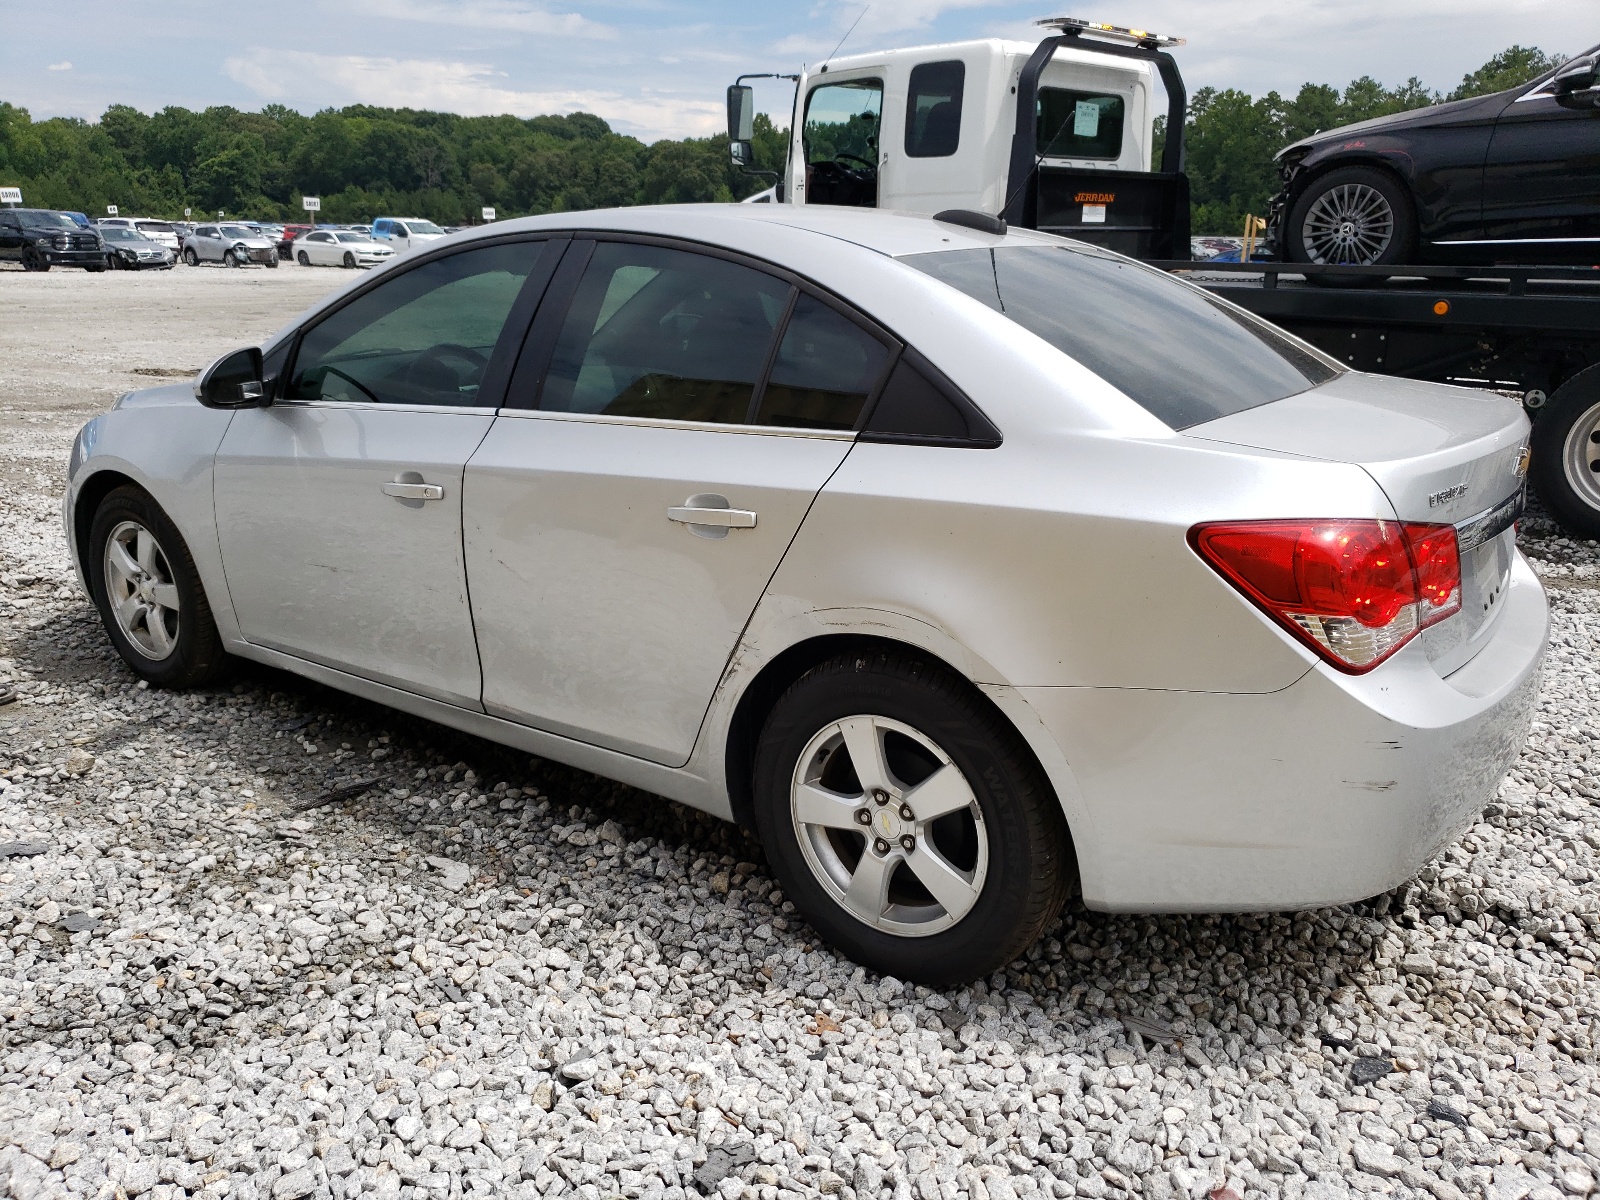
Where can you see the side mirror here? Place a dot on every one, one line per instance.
(741, 113)
(233, 381)
(1575, 83)
(742, 154)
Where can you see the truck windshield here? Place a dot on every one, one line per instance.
(35, 218)
(1177, 351)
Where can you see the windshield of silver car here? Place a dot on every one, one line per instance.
(238, 231)
(1179, 352)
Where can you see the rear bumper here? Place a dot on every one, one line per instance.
(1334, 789)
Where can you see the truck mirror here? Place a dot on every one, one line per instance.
(741, 113)
(742, 153)
(1575, 83)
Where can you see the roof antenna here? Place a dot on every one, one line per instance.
(844, 39)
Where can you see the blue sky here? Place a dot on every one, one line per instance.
(656, 68)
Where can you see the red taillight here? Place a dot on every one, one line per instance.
(1354, 590)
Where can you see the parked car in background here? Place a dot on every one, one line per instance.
(846, 524)
(340, 248)
(287, 237)
(81, 220)
(1512, 177)
(163, 232)
(130, 250)
(229, 243)
(405, 233)
(41, 238)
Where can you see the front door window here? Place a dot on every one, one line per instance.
(840, 137)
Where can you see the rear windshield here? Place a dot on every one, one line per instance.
(1176, 350)
(155, 227)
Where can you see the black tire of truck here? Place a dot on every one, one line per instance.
(1565, 470)
(1376, 187)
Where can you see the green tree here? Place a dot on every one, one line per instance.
(1512, 66)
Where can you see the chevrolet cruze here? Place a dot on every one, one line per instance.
(966, 568)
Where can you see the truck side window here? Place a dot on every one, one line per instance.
(933, 109)
(1076, 124)
(840, 137)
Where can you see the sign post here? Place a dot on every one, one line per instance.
(311, 203)
(111, 210)
(11, 196)
(488, 214)
(186, 213)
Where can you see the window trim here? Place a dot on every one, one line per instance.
(497, 375)
(911, 112)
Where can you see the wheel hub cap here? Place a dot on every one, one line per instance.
(140, 590)
(1348, 225)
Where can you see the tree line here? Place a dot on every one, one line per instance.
(364, 161)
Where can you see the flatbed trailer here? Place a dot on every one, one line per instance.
(1529, 331)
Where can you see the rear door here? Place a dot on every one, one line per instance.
(621, 526)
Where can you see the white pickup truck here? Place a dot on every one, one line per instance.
(1055, 136)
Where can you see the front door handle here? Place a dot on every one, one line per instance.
(710, 516)
(723, 518)
(408, 485)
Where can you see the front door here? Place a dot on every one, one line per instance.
(1541, 183)
(841, 140)
(620, 534)
(339, 507)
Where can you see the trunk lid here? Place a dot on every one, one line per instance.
(1442, 455)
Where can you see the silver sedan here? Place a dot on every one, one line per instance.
(967, 569)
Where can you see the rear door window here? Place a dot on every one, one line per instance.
(933, 109)
(1074, 124)
(667, 334)
(1178, 351)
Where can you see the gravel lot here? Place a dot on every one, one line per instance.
(220, 975)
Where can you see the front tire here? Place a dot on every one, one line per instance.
(190, 258)
(230, 259)
(1353, 216)
(1565, 470)
(32, 260)
(907, 820)
(349, 260)
(145, 585)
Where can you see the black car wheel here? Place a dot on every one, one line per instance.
(1354, 216)
(190, 258)
(303, 258)
(230, 259)
(349, 259)
(95, 268)
(33, 260)
(1566, 453)
(907, 820)
(145, 585)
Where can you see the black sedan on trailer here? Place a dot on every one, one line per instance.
(1512, 177)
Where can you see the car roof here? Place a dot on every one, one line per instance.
(887, 232)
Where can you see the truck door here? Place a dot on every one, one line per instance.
(841, 143)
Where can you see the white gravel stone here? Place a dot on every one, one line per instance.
(491, 974)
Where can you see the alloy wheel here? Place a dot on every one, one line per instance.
(889, 825)
(141, 591)
(1351, 224)
(1581, 456)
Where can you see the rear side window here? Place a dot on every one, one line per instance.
(933, 109)
(1075, 124)
(655, 332)
(827, 366)
(1176, 350)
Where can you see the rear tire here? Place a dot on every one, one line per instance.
(165, 631)
(303, 258)
(1565, 470)
(995, 854)
(1353, 216)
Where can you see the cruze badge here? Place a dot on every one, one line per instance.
(1447, 495)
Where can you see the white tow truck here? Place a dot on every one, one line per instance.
(1057, 135)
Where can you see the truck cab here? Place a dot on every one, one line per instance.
(934, 128)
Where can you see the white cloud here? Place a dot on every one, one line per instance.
(491, 14)
(472, 89)
(60, 66)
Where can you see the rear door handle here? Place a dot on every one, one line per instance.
(722, 518)
(409, 486)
